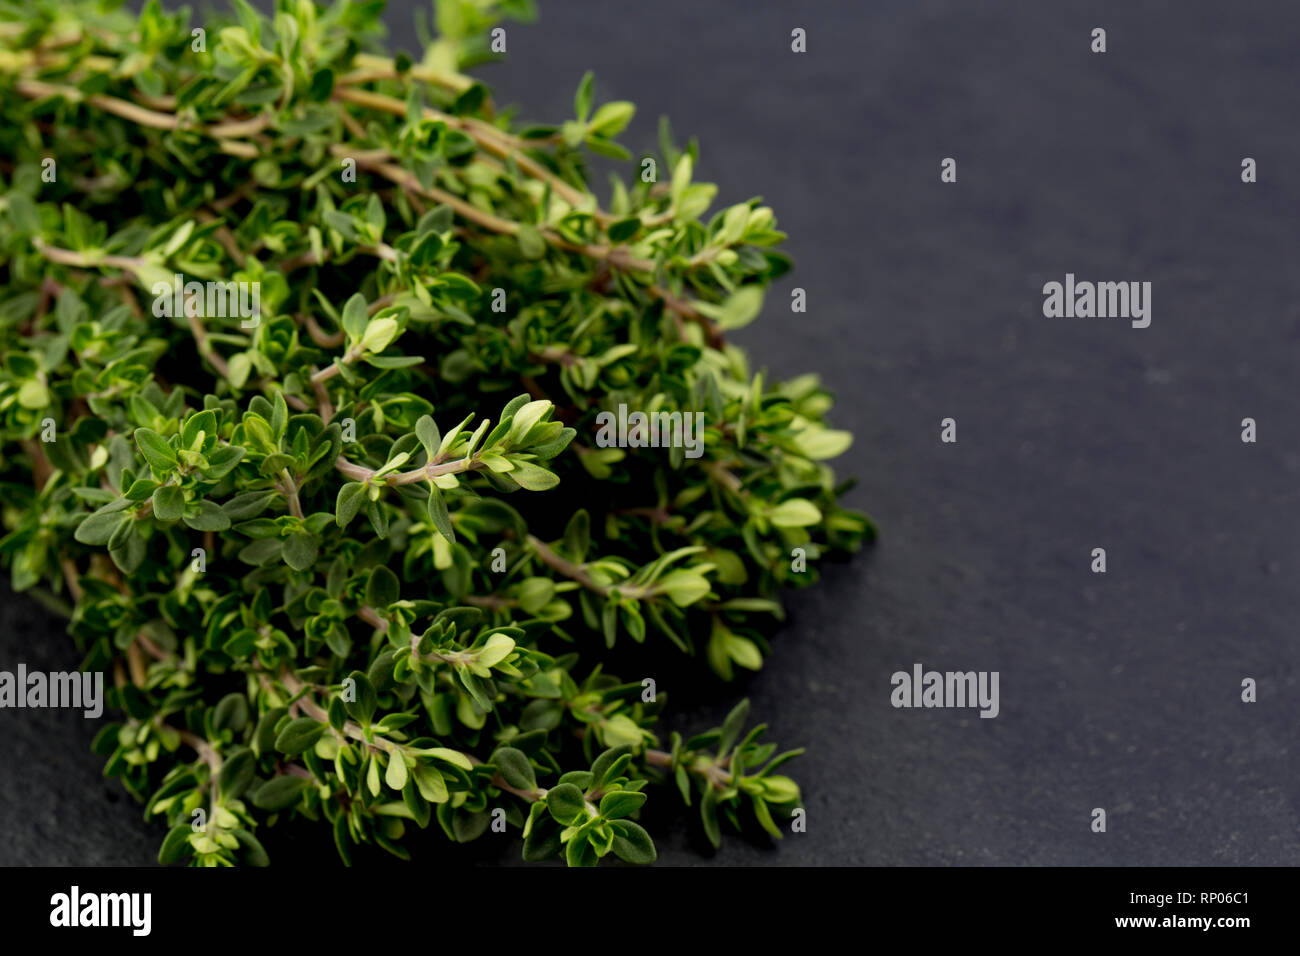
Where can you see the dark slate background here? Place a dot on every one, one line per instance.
(1118, 691)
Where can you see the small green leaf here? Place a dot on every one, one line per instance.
(176, 845)
(453, 757)
(254, 852)
(744, 652)
(379, 334)
(103, 525)
(612, 118)
(354, 317)
(430, 784)
(732, 726)
(579, 851)
(300, 550)
(515, 768)
(621, 803)
(632, 843)
(300, 735)
(205, 516)
(157, 452)
(684, 587)
(236, 774)
(577, 536)
(231, 713)
(530, 476)
(382, 589)
(360, 699)
(396, 774)
(582, 98)
(427, 432)
(741, 308)
(780, 789)
(352, 496)
(795, 513)
(497, 649)
(567, 804)
(439, 514)
(709, 817)
(169, 503)
(535, 593)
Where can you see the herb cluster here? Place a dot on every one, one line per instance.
(356, 557)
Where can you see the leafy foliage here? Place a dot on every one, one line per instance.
(359, 559)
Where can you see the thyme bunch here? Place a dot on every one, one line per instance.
(356, 554)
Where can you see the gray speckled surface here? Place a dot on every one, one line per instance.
(1119, 691)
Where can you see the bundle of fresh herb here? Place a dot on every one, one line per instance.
(299, 342)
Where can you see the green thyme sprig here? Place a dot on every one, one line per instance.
(305, 355)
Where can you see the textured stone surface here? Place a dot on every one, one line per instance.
(1119, 691)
